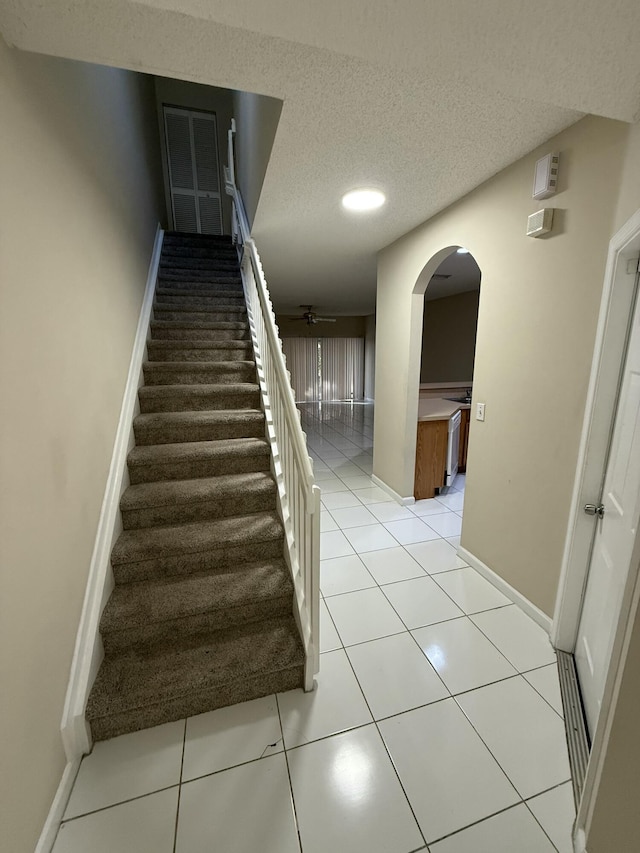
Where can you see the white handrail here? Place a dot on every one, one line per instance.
(299, 496)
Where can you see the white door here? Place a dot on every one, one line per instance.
(614, 536)
(194, 174)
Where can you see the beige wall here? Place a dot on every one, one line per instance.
(344, 327)
(449, 338)
(629, 198)
(195, 96)
(538, 310)
(81, 197)
(257, 118)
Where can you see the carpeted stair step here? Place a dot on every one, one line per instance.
(176, 427)
(198, 373)
(185, 501)
(213, 301)
(201, 288)
(188, 238)
(203, 546)
(228, 253)
(170, 681)
(185, 274)
(183, 262)
(172, 330)
(199, 350)
(196, 288)
(192, 459)
(182, 314)
(197, 398)
(174, 608)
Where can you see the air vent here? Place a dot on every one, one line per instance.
(540, 223)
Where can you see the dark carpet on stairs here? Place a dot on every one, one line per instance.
(201, 613)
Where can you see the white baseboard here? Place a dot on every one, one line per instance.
(50, 829)
(506, 589)
(88, 652)
(579, 842)
(398, 498)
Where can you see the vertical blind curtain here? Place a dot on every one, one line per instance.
(342, 368)
(302, 364)
(325, 368)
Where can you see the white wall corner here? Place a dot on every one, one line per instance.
(59, 804)
(398, 498)
(88, 652)
(506, 589)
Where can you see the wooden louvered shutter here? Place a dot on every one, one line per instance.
(194, 174)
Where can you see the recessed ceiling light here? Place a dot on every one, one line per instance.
(462, 251)
(361, 200)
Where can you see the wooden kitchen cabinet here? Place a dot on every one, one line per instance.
(431, 458)
(465, 417)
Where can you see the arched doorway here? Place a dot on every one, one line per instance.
(450, 297)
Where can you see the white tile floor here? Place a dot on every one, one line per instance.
(436, 725)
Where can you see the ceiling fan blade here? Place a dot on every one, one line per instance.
(325, 319)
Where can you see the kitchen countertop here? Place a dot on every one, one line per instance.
(438, 409)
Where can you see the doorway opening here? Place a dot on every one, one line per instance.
(449, 324)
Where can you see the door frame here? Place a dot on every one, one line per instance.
(602, 397)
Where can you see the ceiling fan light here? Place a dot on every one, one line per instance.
(363, 200)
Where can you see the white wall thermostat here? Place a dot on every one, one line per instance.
(540, 222)
(545, 178)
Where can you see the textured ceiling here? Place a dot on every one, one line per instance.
(423, 99)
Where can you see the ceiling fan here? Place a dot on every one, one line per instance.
(311, 318)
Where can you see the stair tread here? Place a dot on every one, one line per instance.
(169, 670)
(202, 366)
(144, 602)
(205, 289)
(215, 325)
(176, 492)
(180, 451)
(208, 416)
(210, 388)
(148, 543)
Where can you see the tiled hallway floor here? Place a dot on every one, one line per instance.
(436, 725)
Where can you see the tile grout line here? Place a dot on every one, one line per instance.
(184, 743)
(119, 803)
(393, 764)
(286, 761)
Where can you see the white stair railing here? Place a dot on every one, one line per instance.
(299, 496)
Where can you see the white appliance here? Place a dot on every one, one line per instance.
(453, 447)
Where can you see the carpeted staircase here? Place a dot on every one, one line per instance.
(201, 614)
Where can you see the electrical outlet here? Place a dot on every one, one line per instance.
(479, 411)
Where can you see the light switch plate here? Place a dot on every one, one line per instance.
(479, 411)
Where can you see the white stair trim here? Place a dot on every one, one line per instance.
(88, 652)
(506, 589)
(56, 812)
